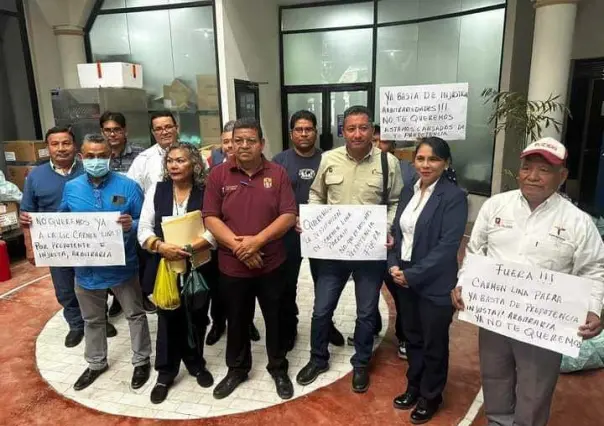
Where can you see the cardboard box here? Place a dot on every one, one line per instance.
(404, 154)
(9, 215)
(27, 151)
(207, 93)
(17, 174)
(209, 127)
(177, 95)
(110, 74)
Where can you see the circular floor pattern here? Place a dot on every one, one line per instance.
(111, 393)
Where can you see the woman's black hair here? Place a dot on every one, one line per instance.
(441, 149)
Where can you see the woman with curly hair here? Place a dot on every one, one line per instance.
(180, 192)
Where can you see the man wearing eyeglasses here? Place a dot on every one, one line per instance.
(301, 162)
(352, 174)
(113, 127)
(248, 206)
(148, 167)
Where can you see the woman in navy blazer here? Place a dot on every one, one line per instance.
(427, 230)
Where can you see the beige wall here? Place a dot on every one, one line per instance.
(45, 59)
(248, 49)
(589, 36)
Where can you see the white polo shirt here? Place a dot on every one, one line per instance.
(556, 236)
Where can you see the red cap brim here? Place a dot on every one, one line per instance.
(549, 157)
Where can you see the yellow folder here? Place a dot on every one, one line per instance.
(183, 230)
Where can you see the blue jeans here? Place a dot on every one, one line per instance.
(332, 277)
(63, 280)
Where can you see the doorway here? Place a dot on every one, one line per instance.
(328, 103)
(585, 136)
(247, 99)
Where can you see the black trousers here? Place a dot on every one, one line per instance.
(240, 296)
(212, 275)
(289, 307)
(394, 291)
(172, 345)
(426, 328)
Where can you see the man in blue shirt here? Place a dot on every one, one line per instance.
(101, 190)
(42, 193)
(301, 163)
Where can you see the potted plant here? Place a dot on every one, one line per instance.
(523, 119)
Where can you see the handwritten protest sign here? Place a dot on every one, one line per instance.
(343, 232)
(533, 305)
(410, 112)
(77, 239)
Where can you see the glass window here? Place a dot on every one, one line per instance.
(120, 4)
(176, 49)
(463, 49)
(405, 10)
(346, 15)
(8, 5)
(342, 56)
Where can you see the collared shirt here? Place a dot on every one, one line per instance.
(247, 205)
(61, 171)
(44, 187)
(410, 215)
(123, 162)
(342, 180)
(115, 193)
(555, 236)
(146, 224)
(148, 167)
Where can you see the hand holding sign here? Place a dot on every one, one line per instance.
(529, 304)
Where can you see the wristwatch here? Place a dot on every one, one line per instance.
(188, 248)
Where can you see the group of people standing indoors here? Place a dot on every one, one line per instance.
(250, 209)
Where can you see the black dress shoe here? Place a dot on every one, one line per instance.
(140, 376)
(407, 400)
(309, 373)
(205, 378)
(88, 377)
(148, 306)
(159, 393)
(254, 334)
(335, 337)
(214, 335)
(228, 385)
(73, 338)
(111, 330)
(115, 308)
(360, 380)
(284, 386)
(424, 410)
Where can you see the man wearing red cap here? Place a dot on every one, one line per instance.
(535, 226)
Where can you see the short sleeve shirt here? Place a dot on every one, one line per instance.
(247, 205)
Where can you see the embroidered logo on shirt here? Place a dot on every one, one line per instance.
(229, 188)
(306, 174)
(504, 223)
(558, 232)
(268, 182)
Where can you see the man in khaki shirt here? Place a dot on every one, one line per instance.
(350, 175)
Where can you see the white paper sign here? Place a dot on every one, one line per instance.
(533, 305)
(343, 232)
(411, 112)
(77, 239)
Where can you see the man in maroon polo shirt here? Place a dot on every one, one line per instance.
(248, 206)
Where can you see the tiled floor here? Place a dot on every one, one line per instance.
(111, 393)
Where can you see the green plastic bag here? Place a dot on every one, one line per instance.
(195, 294)
(165, 291)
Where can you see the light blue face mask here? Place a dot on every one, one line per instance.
(96, 167)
